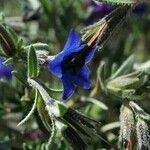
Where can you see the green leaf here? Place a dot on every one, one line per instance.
(52, 137)
(123, 1)
(38, 46)
(8, 61)
(130, 81)
(31, 111)
(55, 90)
(101, 75)
(46, 120)
(144, 67)
(73, 138)
(33, 66)
(20, 77)
(114, 68)
(110, 126)
(6, 41)
(12, 34)
(126, 85)
(2, 53)
(62, 108)
(124, 68)
(19, 44)
(2, 17)
(47, 6)
(54, 108)
(97, 102)
(139, 111)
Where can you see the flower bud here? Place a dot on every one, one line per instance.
(126, 128)
(143, 136)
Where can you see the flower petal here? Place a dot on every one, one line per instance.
(55, 65)
(91, 54)
(73, 41)
(8, 74)
(68, 86)
(82, 79)
(5, 70)
(72, 45)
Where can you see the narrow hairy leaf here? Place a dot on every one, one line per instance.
(129, 2)
(55, 90)
(110, 126)
(8, 61)
(47, 99)
(101, 75)
(97, 102)
(125, 67)
(43, 114)
(19, 44)
(52, 137)
(31, 111)
(139, 111)
(33, 67)
(54, 108)
(74, 139)
(12, 34)
(38, 46)
(20, 77)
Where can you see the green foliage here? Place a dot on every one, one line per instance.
(7, 41)
(124, 68)
(32, 113)
(127, 2)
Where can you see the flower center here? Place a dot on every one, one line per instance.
(75, 61)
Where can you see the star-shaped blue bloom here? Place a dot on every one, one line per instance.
(5, 71)
(70, 64)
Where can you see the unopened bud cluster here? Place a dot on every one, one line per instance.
(143, 136)
(134, 131)
(127, 125)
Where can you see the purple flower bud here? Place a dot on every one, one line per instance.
(5, 71)
(140, 8)
(98, 12)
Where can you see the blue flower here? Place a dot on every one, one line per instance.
(5, 71)
(70, 64)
